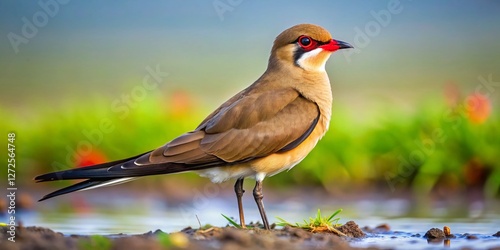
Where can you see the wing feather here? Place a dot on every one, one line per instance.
(253, 126)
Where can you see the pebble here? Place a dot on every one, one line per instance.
(447, 231)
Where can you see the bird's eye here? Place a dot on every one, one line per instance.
(306, 42)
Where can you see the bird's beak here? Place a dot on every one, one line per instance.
(334, 45)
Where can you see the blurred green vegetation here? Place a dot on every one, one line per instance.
(95, 242)
(438, 146)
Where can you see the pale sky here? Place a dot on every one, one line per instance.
(93, 48)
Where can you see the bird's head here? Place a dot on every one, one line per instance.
(306, 46)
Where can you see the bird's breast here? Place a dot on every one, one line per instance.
(278, 162)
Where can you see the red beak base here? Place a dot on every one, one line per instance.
(335, 45)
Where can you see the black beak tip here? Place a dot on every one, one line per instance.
(344, 45)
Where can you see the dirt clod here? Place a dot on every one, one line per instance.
(351, 229)
(434, 233)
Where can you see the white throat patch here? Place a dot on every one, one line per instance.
(307, 61)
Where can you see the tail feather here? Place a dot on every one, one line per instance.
(95, 171)
(86, 185)
(98, 170)
(73, 188)
(112, 173)
(125, 170)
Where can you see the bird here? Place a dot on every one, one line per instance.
(266, 128)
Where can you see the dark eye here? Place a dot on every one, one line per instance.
(306, 42)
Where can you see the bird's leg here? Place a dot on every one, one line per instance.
(238, 189)
(257, 194)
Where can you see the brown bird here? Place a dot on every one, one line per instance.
(266, 128)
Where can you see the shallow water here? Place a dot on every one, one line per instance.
(132, 215)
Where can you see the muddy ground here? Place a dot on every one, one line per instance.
(209, 238)
(188, 238)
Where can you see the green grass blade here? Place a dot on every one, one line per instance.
(231, 221)
(334, 214)
(282, 222)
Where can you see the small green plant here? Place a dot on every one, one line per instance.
(317, 224)
(95, 242)
(231, 221)
(164, 240)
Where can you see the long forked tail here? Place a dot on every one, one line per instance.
(83, 173)
(105, 174)
(86, 185)
(94, 171)
(113, 173)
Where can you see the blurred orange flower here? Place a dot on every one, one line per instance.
(478, 108)
(92, 158)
